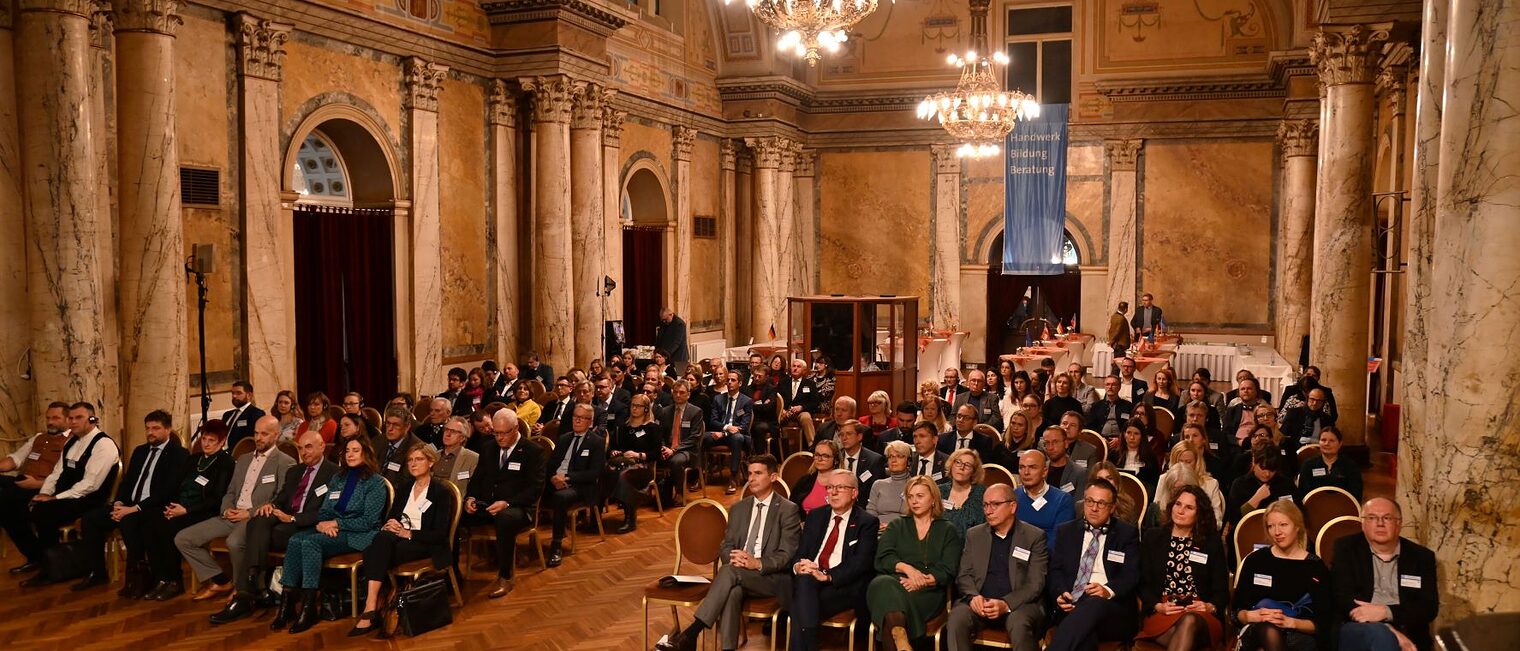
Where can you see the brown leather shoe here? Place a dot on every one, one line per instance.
(503, 586)
(212, 591)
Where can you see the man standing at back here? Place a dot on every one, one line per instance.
(1118, 329)
(670, 337)
(1147, 320)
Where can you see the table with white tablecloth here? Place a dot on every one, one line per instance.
(1223, 360)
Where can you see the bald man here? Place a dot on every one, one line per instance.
(505, 491)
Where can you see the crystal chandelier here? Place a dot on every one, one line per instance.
(808, 26)
(979, 113)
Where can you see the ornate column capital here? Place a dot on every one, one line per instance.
(807, 162)
(1348, 54)
(152, 16)
(261, 47)
(612, 126)
(683, 138)
(769, 151)
(423, 81)
(1393, 83)
(728, 154)
(102, 25)
(1123, 154)
(945, 160)
(503, 104)
(744, 163)
(1298, 137)
(553, 96)
(81, 8)
(586, 110)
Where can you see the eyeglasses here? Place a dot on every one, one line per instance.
(964, 465)
(964, 417)
(992, 504)
(1101, 503)
(454, 430)
(823, 455)
(838, 488)
(1380, 519)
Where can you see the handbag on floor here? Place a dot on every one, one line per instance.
(63, 562)
(423, 606)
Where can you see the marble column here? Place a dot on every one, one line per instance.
(744, 236)
(767, 282)
(59, 142)
(103, 110)
(423, 373)
(553, 271)
(1339, 312)
(155, 373)
(1299, 141)
(1469, 458)
(16, 414)
(612, 204)
(587, 230)
(1123, 158)
(1392, 85)
(945, 255)
(727, 227)
(806, 222)
(269, 324)
(506, 268)
(680, 284)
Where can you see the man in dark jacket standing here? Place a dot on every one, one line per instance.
(670, 337)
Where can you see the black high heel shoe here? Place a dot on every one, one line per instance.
(373, 617)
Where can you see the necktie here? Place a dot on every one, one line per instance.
(964, 443)
(851, 462)
(575, 445)
(828, 545)
(301, 489)
(502, 463)
(1089, 557)
(142, 480)
(923, 466)
(754, 530)
(675, 428)
(732, 401)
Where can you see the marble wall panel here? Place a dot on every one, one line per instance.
(316, 66)
(706, 254)
(1206, 232)
(1084, 219)
(461, 197)
(225, 304)
(1084, 159)
(651, 139)
(874, 223)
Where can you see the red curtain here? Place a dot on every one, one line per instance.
(345, 306)
(643, 283)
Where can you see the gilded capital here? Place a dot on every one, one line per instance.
(423, 81)
(945, 160)
(102, 25)
(728, 152)
(553, 96)
(261, 47)
(683, 139)
(503, 104)
(1298, 137)
(81, 8)
(1348, 54)
(586, 110)
(152, 16)
(1122, 154)
(769, 151)
(612, 126)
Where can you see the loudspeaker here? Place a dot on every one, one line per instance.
(203, 258)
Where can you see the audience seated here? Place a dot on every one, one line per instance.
(32, 463)
(558, 406)
(1134, 455)
(834, 562)
(766, 418)
(809, 492)
(887, 502)
(1207, 447)
(482, 439)
(1262, 486)
(80, 482)
(916, 562)
(456, 463)
(1303, 420)
(844, 408)
(1125, 507)
(1041, 505)
(243, 414)
(429, 431)
(573, 472)
(1213, 398)
(1184, 469)
(950, 388)
(632, 445)
(1082, 453)
(1094, 581)
(1060, 402)
(1131, 388)
(353, 426)
(963, 436)
(1298, 392)
(983, 403)
(1001, 581)
(1066, 473)
(1330, 468)
(1282, 592)
(1184, 575)
(1208, 415)
(1240, 416)
(521, 401)
(505, 492)
(801, 398)
(197, 497)
(1164, 393)
(289, 416)
(1109, 415)
(857, 459)
(610, 408)
(317, 419)
(390, 450)
(729, 426)
(964, 490)
(684, 428)
(1385, 585)
(906, 415)
(417, 527)
(934, 409)
(878, 418)
(927, 460)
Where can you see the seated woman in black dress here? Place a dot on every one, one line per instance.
(417, 527)
(631, 448)
(1184, 576)
(1282, 594)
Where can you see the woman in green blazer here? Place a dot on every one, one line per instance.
(916, 561)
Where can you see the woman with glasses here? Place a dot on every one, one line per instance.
(1282, 592)
(1184, 576)
(886, 500)
(809, 493)
(878, 417)
(963, 493)
(634, 446)
(416, 528)
(916, 561)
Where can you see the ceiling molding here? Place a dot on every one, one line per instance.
(1250, 86)
(579, 12)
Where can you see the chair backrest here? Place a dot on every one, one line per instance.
(116, 483)
(1308, 452)
(372, 416)
(1165, 420)
(795, 466)
(458, 509)
(543, 441)
(1324, 543)
(493, 407)
(420, 410)
(390, 496)
(550, 431)
(242, 447)
(993, 473)
(288, 447)
(699, 533)
(334, 412)
(1097, 441)
(1327, 503)
(989, 430)
(1250, 532)
(1135, 489)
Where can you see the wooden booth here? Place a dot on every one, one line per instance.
(870, 340)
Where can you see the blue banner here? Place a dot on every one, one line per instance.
(1034, 212)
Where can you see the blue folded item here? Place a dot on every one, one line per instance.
(1300, 609)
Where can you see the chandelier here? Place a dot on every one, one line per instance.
(808, 26)
(979, 113)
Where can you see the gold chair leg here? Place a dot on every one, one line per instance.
(353, 589)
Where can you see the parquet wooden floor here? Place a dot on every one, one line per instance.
(591, 602)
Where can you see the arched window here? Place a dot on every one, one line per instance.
(319, 175)
(1069, 255)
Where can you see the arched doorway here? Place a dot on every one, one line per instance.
(1057, 296)
(646, 218)
(343, 231)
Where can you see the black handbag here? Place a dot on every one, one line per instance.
(63, 562)
(423, 607)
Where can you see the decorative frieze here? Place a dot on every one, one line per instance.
(1393, 84)
(423, 81)
(1122, 154)
(683, 139)
(1299, 138)
(807, 162)
(503, 104)
(553, 96)
(728, 152)
(153, 16)
(82, 8)
(102, 25)
(1348, 54)
(261, 47)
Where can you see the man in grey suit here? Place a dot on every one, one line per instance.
(763, 532)
(456, 463)
(682, 445)
(1002, 575)
(256, 479)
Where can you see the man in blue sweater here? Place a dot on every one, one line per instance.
(1039, 504)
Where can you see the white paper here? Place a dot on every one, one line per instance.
(690, 578)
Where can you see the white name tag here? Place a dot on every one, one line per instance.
(1039, 503)
(949, 506)
(1198, 557)
(865, 475)
(321, 490)
(1410, 581)
(937, 475)
(335, 496)
(463, 475)
(685, 425)
(69, 463)
(1263, 580)
(422, 505)
(393, 466)
(1021, 553)
(585, 453)
(638, 434)
(242, 423)
(202, 480)
(1213, 446)
(513, 465)
(1080, 463)
(1319, 472)
(1285, 497)
(34, 456)
(1123, 416)
(806, 390)
(267, 479)
(1068, 487)
(1115, 556)
(852, 542)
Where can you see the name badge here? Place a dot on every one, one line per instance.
(1068, 487)
(1256, 546)
(266, 479)
(201, 479)
(335, 496)
(463, 475)
(852, 543)
(1410, 581)
(585, 453)
(1039, 503)
(806, 390)
(513, 465)
(34, 456)
(321, 490)
(1021, 553)
(243, 423)
(1213, 445)
(422, 505)
(937, 475)
(1319, 472)
(1080, 463)
(393, 466)
(865, 475)
(949, 506)
(685, 425)
(987, 411)
(1123, 416)
(1263, 580)
(1198, 557)
(638, 434)
(1285, 497)
(1115, 556)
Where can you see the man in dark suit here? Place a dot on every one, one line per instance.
(1240, 376)
(457, 380)
(572, 473)
(392, 444)
(150, 483)
(985, 402)
(684, 438)
(866, 465)
(430, 431)
(1131, 388)
(835, 561)
(962, 436)
(1303, 421)
(535, 368)
(558, 409)
(1119, 335)
(800, 396)
(1147, 319)
(950, 387)
(756, 556)
(295, 507)
(611, 410)
(1300, 389)
(729, 426)
(927, 460)
(670, 338)
(1066, 472)
(243, 414)
(762, 395)
(1094, 573)
(505, 491)
(1240, 419)
(845, 408)
(1385, 585)
(1002, 576)
(1109, 415)
(907, 414)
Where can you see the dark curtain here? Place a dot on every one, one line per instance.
(1057, 296)
(345, 312)
(643, 282)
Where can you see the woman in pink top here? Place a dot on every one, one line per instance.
(809, 494)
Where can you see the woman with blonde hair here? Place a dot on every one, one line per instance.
(964, 490)
(887, 501)
(1186, 454)
(916, 561)
(1018, 435)
(1282, 599)
(878, 417)
(932, 408)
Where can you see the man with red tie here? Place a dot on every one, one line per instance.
(835, 560)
